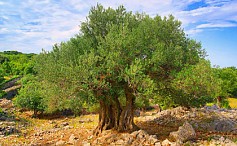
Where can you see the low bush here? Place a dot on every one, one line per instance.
(2, 93)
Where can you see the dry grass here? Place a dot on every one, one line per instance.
(233, 102)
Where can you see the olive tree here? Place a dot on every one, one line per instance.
(117, 58)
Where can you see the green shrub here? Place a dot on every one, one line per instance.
(1, 80)
(94, 108)
(2, 93)
(30, 97)
(225, 103)
(75, 105)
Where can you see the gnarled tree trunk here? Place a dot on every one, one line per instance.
(126, 122)
(109, 115)
(113, 116)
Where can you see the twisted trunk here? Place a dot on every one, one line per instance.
(109, 114)
(112, 116)
(126, 122)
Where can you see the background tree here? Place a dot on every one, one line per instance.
(31, 95)
(16, 63)
(119, 57)
(229, 77)
(196, 85)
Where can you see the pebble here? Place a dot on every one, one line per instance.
(60, 143)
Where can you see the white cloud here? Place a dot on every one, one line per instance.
(192, 32)
(3, 30)
(217, 2)
(216, 25)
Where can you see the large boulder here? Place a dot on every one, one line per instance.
(184, 133)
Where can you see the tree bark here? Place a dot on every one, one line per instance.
(219, 99)
(113, 116)
(126, 122)
(109, 114)
(105, 118)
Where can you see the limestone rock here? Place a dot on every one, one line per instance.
(60, 143)
(85, 143)
(166, 142)
(185, 133)
(152, 139)
(141, 134)
(157, 144)
(120, 142)
(72, 139)
(211, 108)
(225, 126)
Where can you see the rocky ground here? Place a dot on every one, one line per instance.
(178, 126)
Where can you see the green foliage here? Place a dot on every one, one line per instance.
(197, 85)
(76, 105)
(165, 101)
(94, 108)
(3, 59)
(225, 103)
(2, 93)
(12, 52)
(2, 80)
(228, 77)
(31, 96)
(16, 63)
(46, 97)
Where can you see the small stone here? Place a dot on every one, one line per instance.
(90, 137)
(72, 139)
(52, 122)
(166, 142)
(119, 142)
(157, 144)
(85, 121)
(64, 124)
(221, 139)
(141, 134)
(152, 139)
(134, 134)
(68, 127)
(60, 143)
(85, 143)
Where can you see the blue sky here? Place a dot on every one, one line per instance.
(30, 25)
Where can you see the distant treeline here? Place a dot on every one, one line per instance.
(15, 63)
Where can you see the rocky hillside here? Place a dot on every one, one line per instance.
(178, 126)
